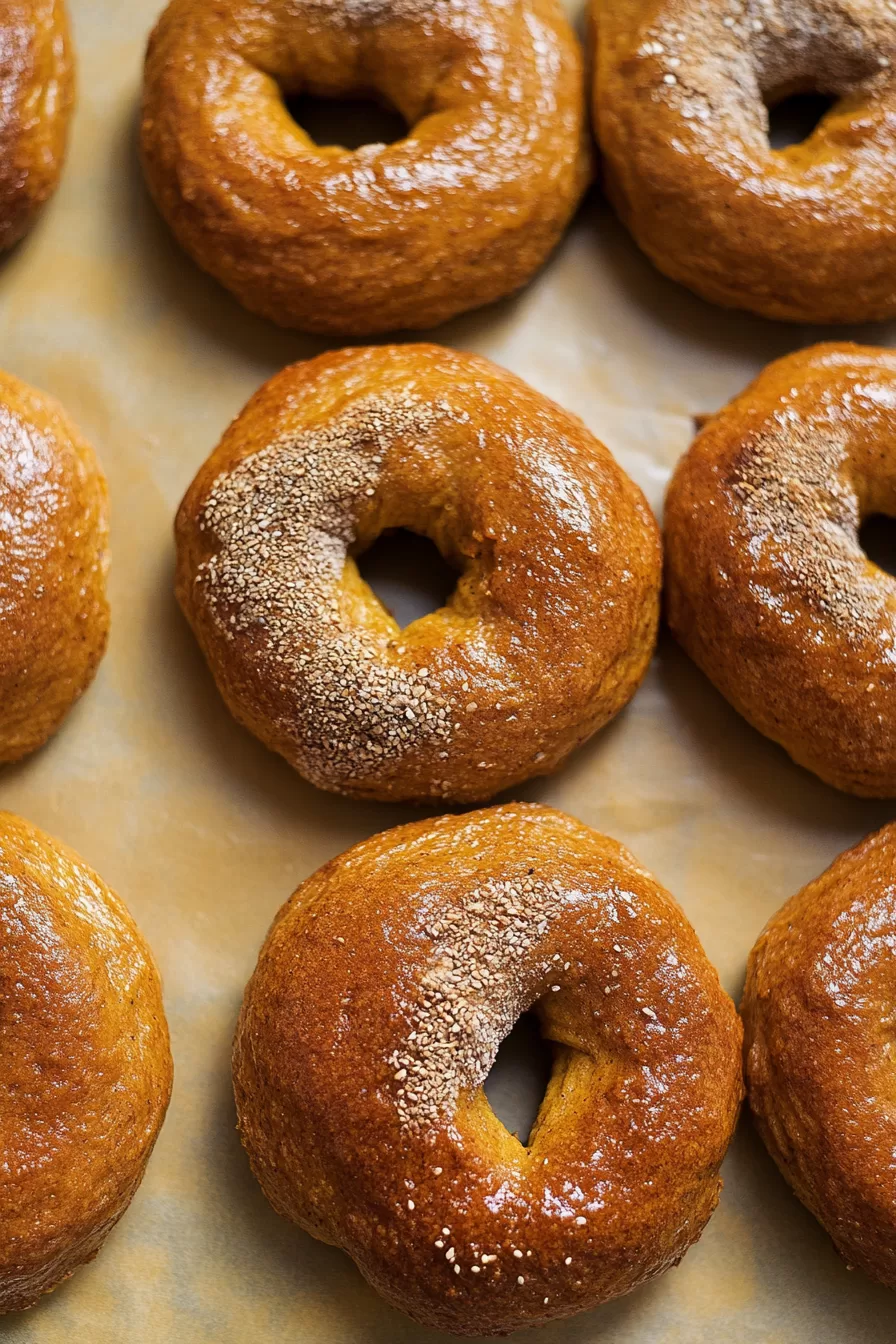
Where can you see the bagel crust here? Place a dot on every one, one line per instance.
(54, 618)
(680, 107)
(818, 1011)
(85, 1068)
(375, 1013)
(459, 213)
(768, 588)
(36, 97)
(549, 630)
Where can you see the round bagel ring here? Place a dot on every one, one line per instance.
(546, 636)
(680, 105)
(768, 588)
(85, 1067)
(381, 996)
(54, 554)
(818, 1013)
(459, 213)
(37, 90)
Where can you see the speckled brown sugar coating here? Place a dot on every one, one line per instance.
(818, 1017)
(460, 212)
(54, 617)
(375, 1013)
(36, 97)
(85, 1068)
(681, 95)
(550, 628)
(768, 587)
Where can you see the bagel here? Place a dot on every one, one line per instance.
(818, 1011)
(375, 1013)
(54, 618)
(85, 1068)
(680, 104)
(36, 99)
(549, 630)
(768, 588)
(460, 212)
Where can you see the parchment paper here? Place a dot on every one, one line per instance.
(204, 833)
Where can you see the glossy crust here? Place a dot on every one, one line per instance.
(767, 585)
(37, 90)
(681, 88)
(818, 1013)
(545, 638)
(85, 1068)
(377, 1007)
(459, 213)
(54, 618)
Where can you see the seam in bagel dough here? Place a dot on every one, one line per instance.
(284, 519)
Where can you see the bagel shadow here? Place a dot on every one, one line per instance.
(221, 319)
(678, 311)
(751, 764)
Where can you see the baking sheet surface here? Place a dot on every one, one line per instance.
(204, 833)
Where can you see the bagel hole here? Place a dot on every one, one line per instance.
(408, 573)
(347, 123)
(877, 538)
(519, 1077)
(792, 120)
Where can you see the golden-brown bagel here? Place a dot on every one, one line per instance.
(549, 630)
(54, 618)
(457, 214)
(768, 587)
(818, 1015)
(681, 96)
(36, 98)
(375, 1013)
(85, 1069)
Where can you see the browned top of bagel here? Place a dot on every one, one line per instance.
(380, 999)
(818, 1015)
(458, 213)
(85, 1069)
(54, 617)
(768, 587)
(550, 628)
(681, 96)
(36, 97)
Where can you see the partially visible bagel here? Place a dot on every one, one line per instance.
(85, 1067)
(54, 554)
(36, 99)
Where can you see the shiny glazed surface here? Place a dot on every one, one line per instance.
(36, 98)
(54, 618)
(768, 587)
(377, 1007)
(85, 1068)
(460, 212)
(680, 105)
(545, 638)
(818, 1014)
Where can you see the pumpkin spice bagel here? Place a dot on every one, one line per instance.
(546, 636)
(381, 996)
(768, 588)
(85, 1068)
(460, 212)
(36, 98)
(682, 93)
(54, 618)
(818, 1017)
